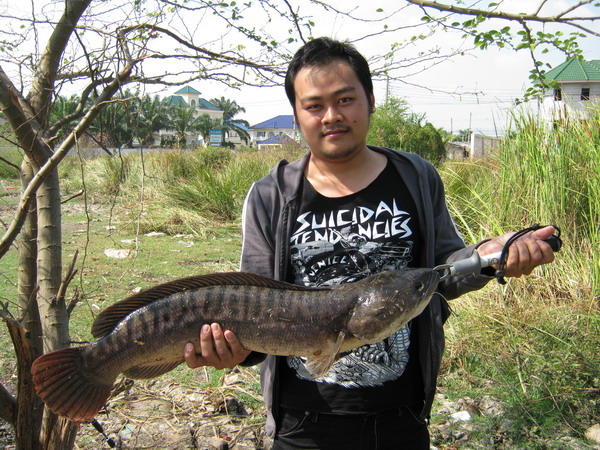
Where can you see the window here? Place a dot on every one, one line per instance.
(585, 93)
(260, 134)
(193, 103)
(557, 94)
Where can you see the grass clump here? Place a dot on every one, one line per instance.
(533, 343)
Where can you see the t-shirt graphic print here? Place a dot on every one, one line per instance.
(339, 240)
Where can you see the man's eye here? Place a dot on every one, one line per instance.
(345, 100)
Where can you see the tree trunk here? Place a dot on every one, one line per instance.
(27, 279)
(57, 432)
(55, 320)
(30, 407)
(8, 406)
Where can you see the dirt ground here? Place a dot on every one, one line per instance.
(162, 414)
(165, 414)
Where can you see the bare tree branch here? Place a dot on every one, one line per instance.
(43, 82)
(28, 194)
(6, 161)
(295, 18)
(71, 272)
(521, 18)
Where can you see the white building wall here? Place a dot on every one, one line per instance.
(482, 145)
(260, 134)
(570, 105)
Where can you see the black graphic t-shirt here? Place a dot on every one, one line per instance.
(345, 239)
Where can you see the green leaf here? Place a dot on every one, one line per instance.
(379, 10)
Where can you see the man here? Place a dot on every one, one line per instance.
(343, 212)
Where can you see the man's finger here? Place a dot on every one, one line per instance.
(543, 233)
(206, 342)
(192, 359)
(220, 344)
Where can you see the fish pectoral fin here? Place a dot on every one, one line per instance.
(151, 370)
(319, 365)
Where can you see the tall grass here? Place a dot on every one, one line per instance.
(532, 344)
(179, 192)
(537, 338)
(558, 168)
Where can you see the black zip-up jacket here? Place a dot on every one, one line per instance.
(268, 217)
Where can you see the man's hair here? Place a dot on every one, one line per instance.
(322, 51)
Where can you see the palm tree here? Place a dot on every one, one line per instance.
(230, 108)
(184, 120)
(151, 116)
(205, 124)
(62, 108)
(113, 127)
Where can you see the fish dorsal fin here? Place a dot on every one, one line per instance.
(108, 319)
(319, 365)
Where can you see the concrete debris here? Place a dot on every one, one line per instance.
(117, 253)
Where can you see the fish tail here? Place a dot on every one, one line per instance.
(62, 385)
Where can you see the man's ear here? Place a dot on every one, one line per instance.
(296, 123)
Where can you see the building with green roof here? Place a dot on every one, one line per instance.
(188, 96)
(576, 87)
(575, 70)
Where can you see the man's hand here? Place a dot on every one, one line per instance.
(219, 349)
(525, 254)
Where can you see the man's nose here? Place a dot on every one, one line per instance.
(332, 114)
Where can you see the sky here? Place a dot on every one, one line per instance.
(473, 90)
(445, 94)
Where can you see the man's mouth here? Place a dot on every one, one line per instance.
(335, 131)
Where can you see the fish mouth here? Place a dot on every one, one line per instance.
(432, 283)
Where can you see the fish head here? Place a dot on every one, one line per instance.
(388, 300)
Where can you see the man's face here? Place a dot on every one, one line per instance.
(332, 110)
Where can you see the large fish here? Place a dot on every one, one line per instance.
(143, 336)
